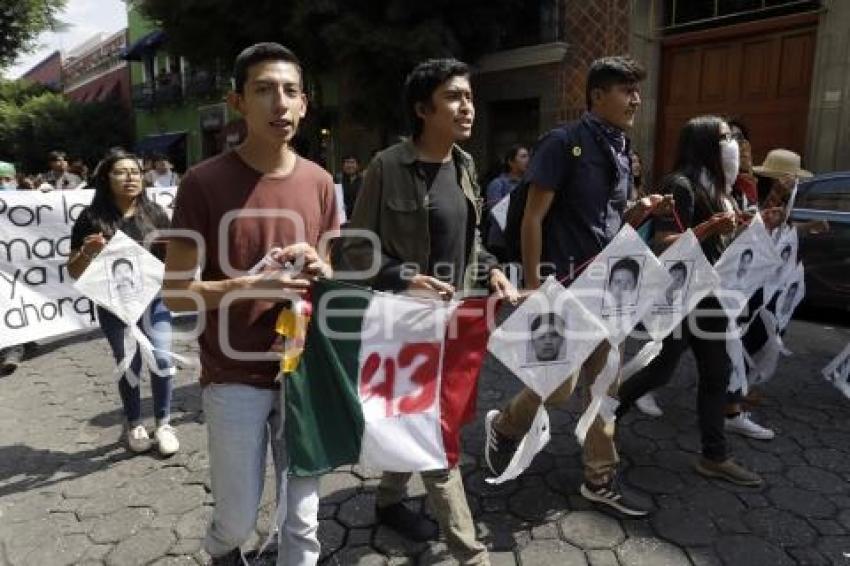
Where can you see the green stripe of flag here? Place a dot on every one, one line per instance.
(324, 419)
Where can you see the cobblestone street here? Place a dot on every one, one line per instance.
(71, 493)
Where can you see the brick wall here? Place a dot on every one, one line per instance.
(593, 28)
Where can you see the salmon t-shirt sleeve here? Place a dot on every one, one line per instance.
(190, 208)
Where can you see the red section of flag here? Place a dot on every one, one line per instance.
(465, 347)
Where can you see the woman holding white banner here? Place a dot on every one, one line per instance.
(706, 166)
(120, 203)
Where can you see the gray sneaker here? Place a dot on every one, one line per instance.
(728, 470)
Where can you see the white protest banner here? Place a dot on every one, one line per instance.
(787, 245)
(500, 212)
(621, 284)
(793, 289)
(124, 278)
(37, 299)
(761, 361)
(544, 342)
(837, 371)
(745, 266)
(547, 338)
(691, 278)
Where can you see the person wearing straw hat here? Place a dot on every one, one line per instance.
(781, 163)
(782, 168)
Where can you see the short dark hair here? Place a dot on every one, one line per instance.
(736, 122)
(511, 154)
(748, 252)
(549, 318)
(56, 154)
(606, 72)
(626, 263)
(678, 266)
(121, 261)
(259, 53)
(348, 156)
(421, 83)
(787, 248)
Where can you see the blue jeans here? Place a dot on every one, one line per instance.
(156, 325)
(241, 421)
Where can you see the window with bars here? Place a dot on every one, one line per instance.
(685, 15)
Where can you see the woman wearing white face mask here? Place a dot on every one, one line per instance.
(706, 166)
(730, 157)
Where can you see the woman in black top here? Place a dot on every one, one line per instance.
(706, 165)
(120, 203)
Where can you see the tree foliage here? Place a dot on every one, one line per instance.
(34, 121)
(21, 21)
(369, 44)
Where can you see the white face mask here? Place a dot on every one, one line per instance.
(730, 157)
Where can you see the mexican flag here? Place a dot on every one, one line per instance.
(386, 381)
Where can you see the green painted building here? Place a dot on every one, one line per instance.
(180, 109)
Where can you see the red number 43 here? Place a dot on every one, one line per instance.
(426, 358)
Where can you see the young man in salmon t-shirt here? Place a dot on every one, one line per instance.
(235, 208)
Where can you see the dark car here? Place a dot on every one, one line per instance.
(826, 255)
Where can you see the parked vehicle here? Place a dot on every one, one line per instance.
(826, 255)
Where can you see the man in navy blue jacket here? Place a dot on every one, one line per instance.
(580, 179)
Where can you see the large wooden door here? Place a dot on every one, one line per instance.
(760, 72)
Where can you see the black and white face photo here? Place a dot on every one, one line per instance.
(675, 291)
(744, 263)
(788, 300)
(623, 280)
(785, 256)
(124, 280)
(547, 342)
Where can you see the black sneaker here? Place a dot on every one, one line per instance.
(611, 495)
(232, 558)
(499, 449)
(405, 522)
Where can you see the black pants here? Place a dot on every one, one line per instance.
(713, 365)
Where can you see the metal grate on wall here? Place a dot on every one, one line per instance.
(691, 15)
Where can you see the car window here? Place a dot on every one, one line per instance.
(828, 194)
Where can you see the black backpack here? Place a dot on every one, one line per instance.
(513, 223)
(516, 206)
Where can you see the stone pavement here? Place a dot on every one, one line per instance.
(70, 493)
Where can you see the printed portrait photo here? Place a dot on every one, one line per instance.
(744, 263)
(125, 279)
(622, 288)
(547, 339)
(788, 299)
(680, 276)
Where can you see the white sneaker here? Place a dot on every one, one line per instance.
(138, 439)
(743, 425)
(649, 406)
(166, 440)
